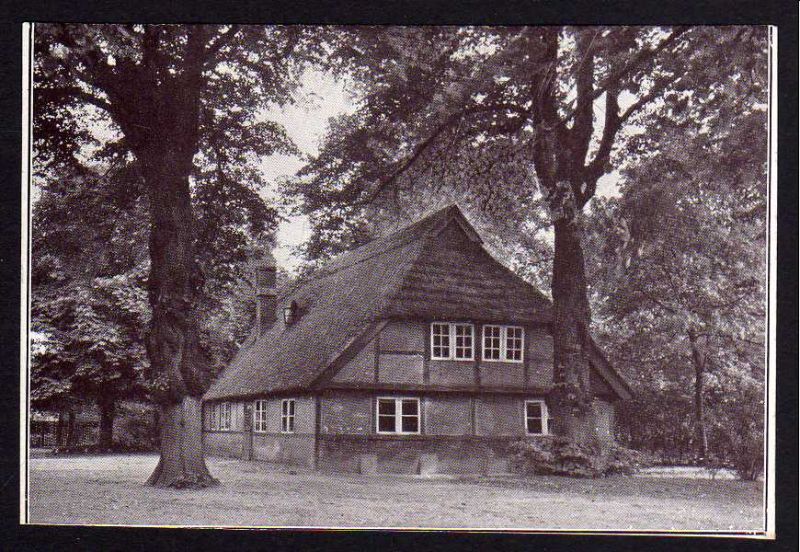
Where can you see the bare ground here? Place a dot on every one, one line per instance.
(109, 490)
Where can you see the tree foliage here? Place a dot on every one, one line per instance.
(679, 273)
(185, 105)
(517, 121)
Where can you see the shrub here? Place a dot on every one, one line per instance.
(555, 456)
(134, 428)
(625, 461)
(748, 456)
(560, 456)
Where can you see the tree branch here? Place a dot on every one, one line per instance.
(451, 121)
(580, 134)
(613, 80)
(77, 93)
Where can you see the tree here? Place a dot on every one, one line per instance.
(688, 235)
(89, 301)
(508, 117)
(185, 103)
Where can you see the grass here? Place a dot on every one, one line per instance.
(109, 489)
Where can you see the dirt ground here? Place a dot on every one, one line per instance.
(109, 490)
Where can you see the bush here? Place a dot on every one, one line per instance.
(748, 456)
(134, 428)
(560, 456)
(625, 461)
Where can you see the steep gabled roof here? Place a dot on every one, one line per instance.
(433, 269)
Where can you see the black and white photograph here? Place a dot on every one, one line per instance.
(462, 277)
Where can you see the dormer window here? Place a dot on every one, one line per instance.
(290, 313)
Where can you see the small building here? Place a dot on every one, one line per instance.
(415, 353)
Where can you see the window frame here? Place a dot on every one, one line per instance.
(287, 417)
(398, 415)
(545, 417)
(260, 420)
(225, 414)
(212, 419)
(503, 343)
(451, 345)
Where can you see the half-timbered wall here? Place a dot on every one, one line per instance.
(399, 356)
(271, 444)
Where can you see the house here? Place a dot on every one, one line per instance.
(415, 353)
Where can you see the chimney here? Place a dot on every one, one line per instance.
(264, 271)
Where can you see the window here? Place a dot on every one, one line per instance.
(287, 416)
(398, 415)
(492, 342)
(452, 341)
(211, 416)
(503, 343)
(260, 416)
(536, 420)
(225, 416)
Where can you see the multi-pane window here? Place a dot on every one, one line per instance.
(398, 415)
(514, 339)
(287, 416)
(211, 416)
(450, 341)
(492, 342)
(260, 416)
(225, 412)
(536, 417)
(440, 340)
(503, 343)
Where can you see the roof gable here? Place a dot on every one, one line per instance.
(436, 268)
(454, 277)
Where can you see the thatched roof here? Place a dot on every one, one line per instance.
(433, 269)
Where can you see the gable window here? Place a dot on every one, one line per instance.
(503, 343)
(536, 419)
(398, 415)
(287, 416)
(224, 413)
(260, 416)
(452, 341)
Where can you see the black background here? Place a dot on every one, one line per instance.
(782, 14)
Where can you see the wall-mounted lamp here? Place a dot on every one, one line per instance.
(290, 313)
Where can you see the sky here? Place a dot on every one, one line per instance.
(320, 98)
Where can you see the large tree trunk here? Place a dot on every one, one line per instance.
(571, 318)
(181, 464)
(107, 413)
(180, 369)
(165, 140)
(701, 436)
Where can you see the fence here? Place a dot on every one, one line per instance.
(45, 434)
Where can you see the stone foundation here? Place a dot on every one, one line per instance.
(417, 455)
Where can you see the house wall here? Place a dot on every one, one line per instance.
(271, 445)
(604, 420)
(400, 355)
(226, 443)
(290, 448)
(471, 410)
(467, 433)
